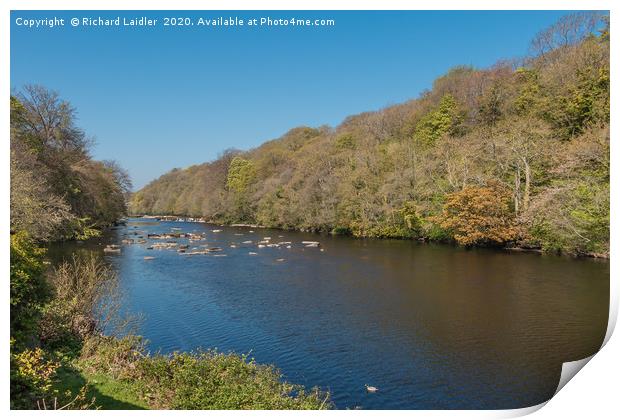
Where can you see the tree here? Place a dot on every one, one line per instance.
(585, 103)
(528, 142)
(443, 120)
(240, 175)
(57, 189)
(48, 125)
(34, 208)
(568, 30)
(479, 216)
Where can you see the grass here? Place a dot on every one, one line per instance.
(109, 393)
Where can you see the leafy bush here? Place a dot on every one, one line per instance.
(341, 230)
(211, 380)
(436, 233)
(29, 290)
(199, 380)
(118, 357)
(581, 222)
(479, 216)
(345, 141)
(31, 377)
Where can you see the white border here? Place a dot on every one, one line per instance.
(592, 394)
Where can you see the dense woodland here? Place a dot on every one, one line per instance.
(57, 190)
(513, 155)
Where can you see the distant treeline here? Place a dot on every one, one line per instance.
(57, 190)
(516, 154)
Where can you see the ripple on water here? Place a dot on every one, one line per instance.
(430, 326)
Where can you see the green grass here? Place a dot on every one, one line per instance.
(109, 393)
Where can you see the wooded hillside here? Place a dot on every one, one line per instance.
(514, 154)
(57, 190)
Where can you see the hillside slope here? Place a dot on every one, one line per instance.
(513, 154)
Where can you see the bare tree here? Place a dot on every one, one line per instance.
(567, 31)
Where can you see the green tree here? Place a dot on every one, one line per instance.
(240, 175)
(445, 119)
(586, 102)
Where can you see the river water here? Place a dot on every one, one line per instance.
(431, 326)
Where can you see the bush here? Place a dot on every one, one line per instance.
(436, 233)
(580, 225)
(211, 380)
(199, 380)
(341, 230)
(117, 357)
(31, 377)
(479, 216)
(29, 290)
(86, 301)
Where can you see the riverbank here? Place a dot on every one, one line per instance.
(114, 373)
(61, 358)
(341, 318)
(511, 247)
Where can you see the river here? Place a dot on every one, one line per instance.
(431, 326)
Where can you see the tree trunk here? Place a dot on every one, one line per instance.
(528, 180)
(517, 190)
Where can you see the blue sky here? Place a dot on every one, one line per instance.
(160, 97)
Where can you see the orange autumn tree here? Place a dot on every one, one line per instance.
(479, 216)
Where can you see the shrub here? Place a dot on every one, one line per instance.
(211, 380)
(29, 290)
(198, 380)
(117, 357)
(479, 216)
(341, 230)
(580, 222)
(345, 141)
(31, 377)
(86, 301)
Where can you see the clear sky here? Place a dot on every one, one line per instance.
(156, 98)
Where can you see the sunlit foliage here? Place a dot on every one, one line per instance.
(479, 216)
(523, 125)
(57, 190)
